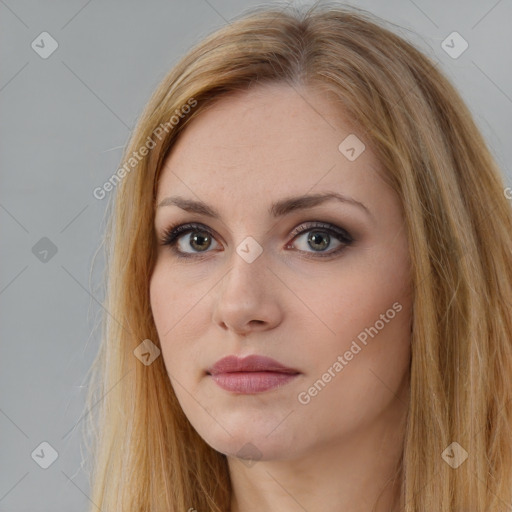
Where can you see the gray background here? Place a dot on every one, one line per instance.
(64, 122)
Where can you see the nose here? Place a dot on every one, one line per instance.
(248, 297)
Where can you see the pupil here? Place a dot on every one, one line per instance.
(316, 238)
(200, 239)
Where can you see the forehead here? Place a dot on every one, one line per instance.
(270, 140)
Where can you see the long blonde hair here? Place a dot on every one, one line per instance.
(145, 453)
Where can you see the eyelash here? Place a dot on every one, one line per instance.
(172, 234)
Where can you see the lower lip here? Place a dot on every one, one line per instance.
(252, 382)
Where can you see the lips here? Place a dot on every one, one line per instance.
(252, 363)
(252, 374)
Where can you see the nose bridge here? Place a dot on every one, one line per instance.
(245, 299)
(249, 264)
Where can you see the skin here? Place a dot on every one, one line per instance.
(338, 451)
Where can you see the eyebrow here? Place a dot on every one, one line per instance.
(277, 209)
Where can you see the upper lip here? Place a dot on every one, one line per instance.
(253, 363)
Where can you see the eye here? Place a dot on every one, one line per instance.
(199, 239)
(321, 236)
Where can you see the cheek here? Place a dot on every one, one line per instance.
(181, 317)
(357, 301)
(371, 334)
(169, 307)
(163, 299)
(173, 299)
(372, 337)
(366, 315)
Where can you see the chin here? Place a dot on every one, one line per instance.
(250, 440)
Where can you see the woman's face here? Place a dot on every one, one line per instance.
(323, 287)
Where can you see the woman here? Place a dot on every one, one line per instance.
(344, 342)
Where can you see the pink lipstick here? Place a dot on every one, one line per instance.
(252, 374)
